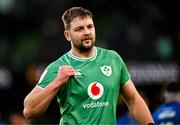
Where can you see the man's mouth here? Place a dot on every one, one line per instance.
(86, 39)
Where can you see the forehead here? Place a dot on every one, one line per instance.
(79, 21)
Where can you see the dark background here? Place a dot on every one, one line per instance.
(146, 33)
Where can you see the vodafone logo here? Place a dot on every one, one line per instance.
(95, 90)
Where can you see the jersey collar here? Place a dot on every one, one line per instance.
(84, 59)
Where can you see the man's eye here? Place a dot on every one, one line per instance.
(77, 29)
(91, 26)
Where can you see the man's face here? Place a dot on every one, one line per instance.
(81, 34)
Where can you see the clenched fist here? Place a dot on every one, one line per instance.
(64, 73)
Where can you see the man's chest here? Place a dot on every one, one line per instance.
(94, 79)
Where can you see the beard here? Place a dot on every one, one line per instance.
(85, 45)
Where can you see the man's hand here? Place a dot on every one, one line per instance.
(64, 73)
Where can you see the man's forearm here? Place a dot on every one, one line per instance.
(38, 100)
(141, 112)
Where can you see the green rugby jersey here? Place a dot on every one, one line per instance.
(90, 97)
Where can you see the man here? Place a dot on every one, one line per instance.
(169, 112)
(86, 80)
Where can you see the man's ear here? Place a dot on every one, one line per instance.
(67, 35)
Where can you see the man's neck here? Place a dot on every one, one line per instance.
(79, 54)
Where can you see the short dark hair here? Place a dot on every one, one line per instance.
(74, 12)
(173, 87)
(172, 90)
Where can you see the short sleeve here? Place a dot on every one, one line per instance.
(49, 74)
(124, 74)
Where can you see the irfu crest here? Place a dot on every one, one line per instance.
(106, 70)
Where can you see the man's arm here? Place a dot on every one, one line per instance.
(37, 101)
(137, 107)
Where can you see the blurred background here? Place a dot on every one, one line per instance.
(145, 33)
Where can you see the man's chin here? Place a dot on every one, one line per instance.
(86, 48)
(88, 45)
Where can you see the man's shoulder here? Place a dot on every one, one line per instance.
(107, 51)
(110, 54)
(64, 57)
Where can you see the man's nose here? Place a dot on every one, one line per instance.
(86, 31)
